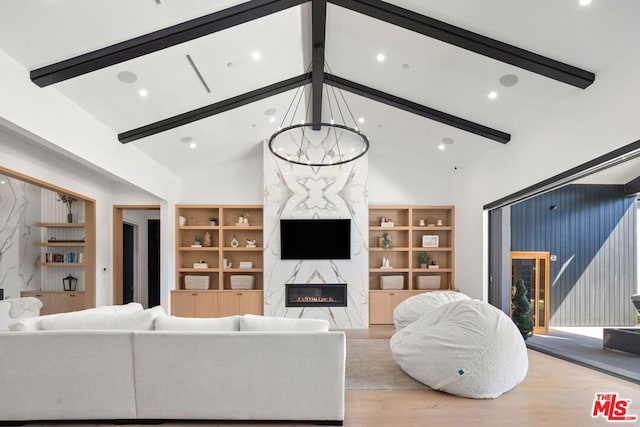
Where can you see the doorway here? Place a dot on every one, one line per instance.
(136, 254)
(533, 269)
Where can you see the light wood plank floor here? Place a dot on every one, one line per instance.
(555, 393)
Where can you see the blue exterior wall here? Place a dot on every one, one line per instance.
(592, 231)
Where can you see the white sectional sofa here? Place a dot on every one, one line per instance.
(255, 368)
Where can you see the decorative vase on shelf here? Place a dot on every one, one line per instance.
(234, 242)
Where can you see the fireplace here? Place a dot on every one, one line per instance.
(316, 295)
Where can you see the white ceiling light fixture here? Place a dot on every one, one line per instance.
(143, 93)
(255, 55)
(492, 95)
(306, 143)
(441, 147)
(193, 145)
(3, 182)
(380, 57)
(584, 2)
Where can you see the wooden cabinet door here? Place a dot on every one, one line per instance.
(183, 304)
(206, 304)
(72, 302)
(48, 301)
(228, 304)
(380, 312)
(382, 304)
(250, 303)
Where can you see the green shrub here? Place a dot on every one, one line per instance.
(520, 314)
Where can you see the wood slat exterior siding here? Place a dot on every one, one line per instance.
(592, 232)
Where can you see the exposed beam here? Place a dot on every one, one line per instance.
(158, 40)
(471, 41)
(416, 108)
(213, 109)
(632, 187)
(318, 34)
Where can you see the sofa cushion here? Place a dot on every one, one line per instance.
(103, 320)
(411, 309)
(173, 323)
(250, 322)
(35, 323)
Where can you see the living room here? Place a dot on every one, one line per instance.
(55, 136)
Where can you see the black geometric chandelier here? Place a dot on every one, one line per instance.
(330, 143)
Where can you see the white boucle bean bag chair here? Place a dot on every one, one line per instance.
(468, 348)
(411, 309)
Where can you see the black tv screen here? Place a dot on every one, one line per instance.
(315, 239)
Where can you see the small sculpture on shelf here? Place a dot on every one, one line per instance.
(196, 242)
(234, 242)
(227, 262)
(243, 220)
(208, 240)
(251, 243)
(68, 200)
(386, 264)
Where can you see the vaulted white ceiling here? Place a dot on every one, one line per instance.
(416, 68)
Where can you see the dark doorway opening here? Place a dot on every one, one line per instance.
(153, 264)
(128, 251)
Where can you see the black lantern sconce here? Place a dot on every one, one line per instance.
(70, 283)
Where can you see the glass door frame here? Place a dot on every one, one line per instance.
(537, 257)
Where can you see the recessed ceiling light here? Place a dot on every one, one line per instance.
(584, 2)
(255, 55)
(3, 182)
(272, 119)
(186, 139)
(361, 120)
(380, 57)
(143, 92)
(333, 122)
(193, 145)
(492, 95)
(127, 76)
(509, 80)
(441, 147)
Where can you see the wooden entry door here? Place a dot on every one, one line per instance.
(533, 269)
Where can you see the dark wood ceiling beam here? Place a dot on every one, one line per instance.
(471, 41)
(418, 109)
(158, 40)
(318, 35)
(213, 109)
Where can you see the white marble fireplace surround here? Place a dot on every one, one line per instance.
(303, 192)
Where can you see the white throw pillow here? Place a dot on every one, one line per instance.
(250, 322)
(411, 309)
(173, 323)
(35, 323)
(468, 348)
(104, 320)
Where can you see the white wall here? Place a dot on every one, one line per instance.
(586, 125)
(21, 155)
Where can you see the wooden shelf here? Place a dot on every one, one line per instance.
(60, 225)
(62, 244)
(218, 300)
(201, 249)
(60, 264)
(407, 235)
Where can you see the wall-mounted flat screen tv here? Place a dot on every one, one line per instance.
(315, 239)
